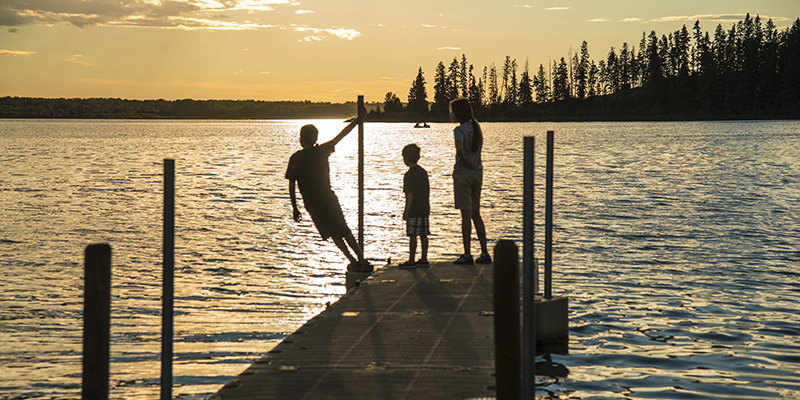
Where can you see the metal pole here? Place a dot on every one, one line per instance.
(96, 321)
(506, 320)
(169, 267)
(548, 224)
(361, 179)
(529, 273)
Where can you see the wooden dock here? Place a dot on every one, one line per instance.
(400, 334)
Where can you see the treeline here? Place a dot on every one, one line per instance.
(26, 107)
(748, 71)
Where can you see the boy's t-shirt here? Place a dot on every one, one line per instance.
(310, 168)
(416, 181)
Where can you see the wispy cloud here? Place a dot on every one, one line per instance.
(715, 18)
(599, 20)
(318, 35)
(76, 60)
(449, 48)
(212, 15)
(16, 53)
(556, 8)
(523, 6)
(632, 20)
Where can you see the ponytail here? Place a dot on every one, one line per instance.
(462, 111)
(477, 136)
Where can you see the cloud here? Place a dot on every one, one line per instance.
(318, 35)
(523, 6)
(449, 48)
(632, 20)
(599, 20)
(210, 15)
(556, 8)
(75, 60)
(16, 53)
(715, 18)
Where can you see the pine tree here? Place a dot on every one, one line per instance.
(440, 99)
(582, 71)
(541, 86)
(418, 96)
(453, 75)
(525, 87)
(560, 80)
(493, 90)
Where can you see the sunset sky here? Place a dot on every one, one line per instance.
(318, 50)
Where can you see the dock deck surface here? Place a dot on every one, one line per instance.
(424, 333)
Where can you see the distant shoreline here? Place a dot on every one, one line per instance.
(633, 106)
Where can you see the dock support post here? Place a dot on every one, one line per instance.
(361, 178)
(506, 320)
(168, 284)
(529, 266)
(96, 321)
(548, 222)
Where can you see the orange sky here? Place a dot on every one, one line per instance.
(319, 50)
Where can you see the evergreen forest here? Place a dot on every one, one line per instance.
(748, 71)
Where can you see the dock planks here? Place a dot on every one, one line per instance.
(401, 334)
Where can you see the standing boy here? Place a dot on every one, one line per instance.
(417, 190)
(310, 169)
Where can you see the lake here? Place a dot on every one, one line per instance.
(678, 244)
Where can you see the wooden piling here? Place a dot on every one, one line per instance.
(96, 321)
(506, 320)
(168, 284)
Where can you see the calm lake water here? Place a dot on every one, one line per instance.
(677, 243)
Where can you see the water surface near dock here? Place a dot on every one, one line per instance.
(677, 244)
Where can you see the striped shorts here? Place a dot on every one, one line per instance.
(418, 226)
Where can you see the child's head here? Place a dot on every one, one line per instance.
(411, 154)
(308, 135)
(461, 110)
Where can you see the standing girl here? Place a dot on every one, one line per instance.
(468, 178)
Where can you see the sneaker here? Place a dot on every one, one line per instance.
(464, 259)
(485, 258)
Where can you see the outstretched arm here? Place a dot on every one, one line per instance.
(362, 113)
(293, 196)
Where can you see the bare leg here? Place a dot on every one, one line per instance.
(480, 229)
(412, 247)
(466, 230)
(424, 253)
(354, 245)
(343, 247)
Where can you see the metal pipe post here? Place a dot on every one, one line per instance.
(96, 321)
(506, 320)
(548, 223)
(528, 273)
(169, 270)
(361, 179)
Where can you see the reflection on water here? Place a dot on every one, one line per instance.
(677, 243)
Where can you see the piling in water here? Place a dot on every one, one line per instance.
(506, 320)
(96, 321)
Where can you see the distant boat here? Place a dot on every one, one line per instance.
(423, 125)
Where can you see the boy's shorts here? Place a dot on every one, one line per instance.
(468, 190)
(418, 226)
(328, 218)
